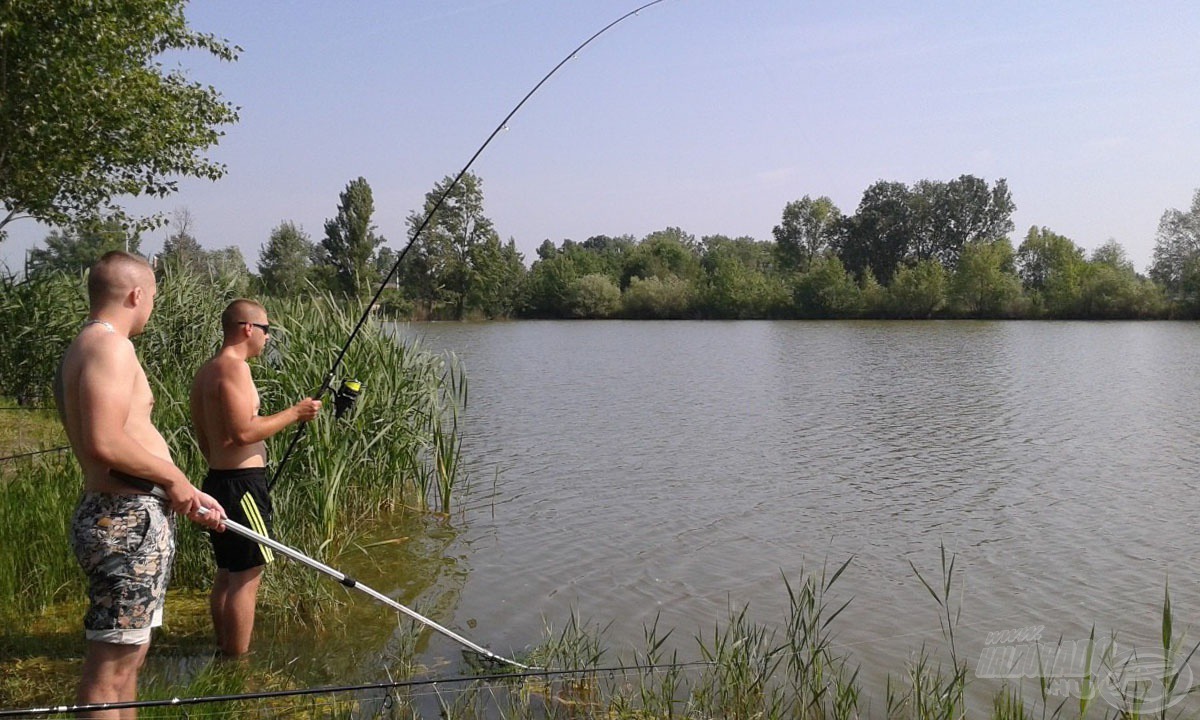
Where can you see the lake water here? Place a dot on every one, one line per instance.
(628, 470)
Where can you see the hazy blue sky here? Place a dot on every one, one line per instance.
(709, 115)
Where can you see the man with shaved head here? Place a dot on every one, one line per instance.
(122, 530)
(224, 405)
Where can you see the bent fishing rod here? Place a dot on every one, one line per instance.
(328, 379)
(352, 583)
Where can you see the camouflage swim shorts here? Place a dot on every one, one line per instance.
(125, 545)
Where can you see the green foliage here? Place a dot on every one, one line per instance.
(498, 276)
(182, 254)
(1107, 292)
(1176, 250)
(1049, 266)
(827, 291)
(662, 254)
(594, 296)
(880, 234)
(897, 225)
(655, 298)
(89, 113)
(350, 241)
(548, 289)
(75, 248)
(964, 211)
(739, 280)
(458, 265)
(285, 259)
(918, 291)
(809, 227)
(986, 285)
(552, 284)
(40, 316)
(875, 300)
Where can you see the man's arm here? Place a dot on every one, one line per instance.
(237, 398)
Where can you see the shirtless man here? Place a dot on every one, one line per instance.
(122, 535)
(230, 431)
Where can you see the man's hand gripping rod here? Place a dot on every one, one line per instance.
(352, 583)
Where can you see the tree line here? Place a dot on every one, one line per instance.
(85, 123)
(930, 250)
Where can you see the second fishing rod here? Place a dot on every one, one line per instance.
(348, 392)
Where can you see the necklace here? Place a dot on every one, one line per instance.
(101, 322)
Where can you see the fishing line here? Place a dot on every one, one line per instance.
(35, 452)
(336, 689)
(328, 379)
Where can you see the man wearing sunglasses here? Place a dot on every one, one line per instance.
(225, 405)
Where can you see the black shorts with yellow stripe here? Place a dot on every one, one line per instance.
(243, 494)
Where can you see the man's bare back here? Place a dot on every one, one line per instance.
(97, 365)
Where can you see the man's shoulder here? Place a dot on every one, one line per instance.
(223, 367)
(100, 346)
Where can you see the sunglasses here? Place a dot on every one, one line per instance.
(265, 327)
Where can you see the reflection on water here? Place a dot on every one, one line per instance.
(677, 469)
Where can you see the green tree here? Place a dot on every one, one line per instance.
(350, 241)
(951, 215)
(659, 298)
(1111, 253)
(594, 296)
(897, 225)
(664, 253)
(1051, 267)
(76, 247)
(881, 233)
(227, 268)
(498, 276)
(918, 291)
(1177, 254)
(610, 252)
(739, 281)
(874, 296)
(1110, 288)
(808, 228)
(285, 259)
(1043, 255)
(88, 113)
(445, 250)
(181, 251)
(827, 290)
(549, 287)
(985, 284)
(1106, 293)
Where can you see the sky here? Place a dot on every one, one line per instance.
(707, 115)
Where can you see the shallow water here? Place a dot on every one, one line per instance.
(629, 470)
